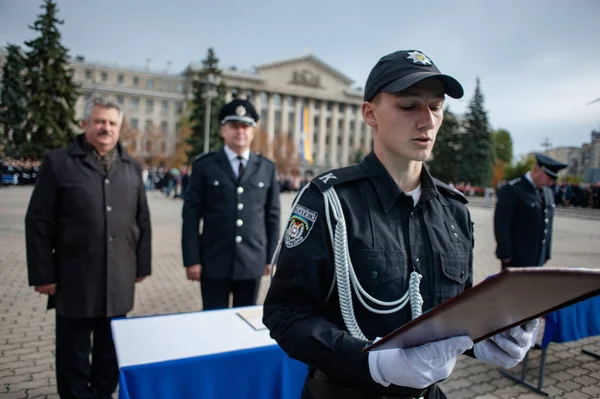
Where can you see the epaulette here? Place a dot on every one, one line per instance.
(450, 190)
(514, 181)
(202, 156)
(338, 176)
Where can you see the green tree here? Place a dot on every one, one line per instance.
(477, 149)
(51, 109)
(359, 154)
(503, 146)
(519, 168)
(210, 66)
(445, 161)
(13, 103)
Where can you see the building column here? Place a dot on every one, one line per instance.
(333, 145)
(320, 159)
(271, 124)
(345, 136)
(296, 133)
(311, 129)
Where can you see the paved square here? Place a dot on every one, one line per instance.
(27, 329)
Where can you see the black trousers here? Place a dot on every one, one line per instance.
(76, 377)
(215, 293)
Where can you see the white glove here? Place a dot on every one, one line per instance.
(420, 366)
(507, 349)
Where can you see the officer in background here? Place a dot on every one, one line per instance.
(366, 240)
(524, 214)
(236, 195)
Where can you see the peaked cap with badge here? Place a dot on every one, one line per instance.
(549, 165)
(401, 69)
(239, 110)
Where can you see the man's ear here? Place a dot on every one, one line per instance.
(368, 111)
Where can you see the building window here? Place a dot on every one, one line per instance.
(341, 108)
(180, 87)
(87, 96)
(165, 107)
(163, 147)
(291, 122)
(104, 76)
(134, 123)
(328, 123)
(250, 95)
(351, 142)
(88, 74)
(316, 122)
(340, 124)
(290, 100)
(264, 98)
(121, 99)
(149, 106)
(165, 85)
(352, 126)
(148, 146)
(235, 93)
(277, 122)
(164, 127)
(121, 79)
(178, 127)
(263, 117)
(329, 106)
(135, 103)
(277, 99)
(179, 107)
(316, 138)
(327, 139)
(150, 84)
(136, 81)
(317, 104)
(354, 107)
(148, 127)
(339, 140)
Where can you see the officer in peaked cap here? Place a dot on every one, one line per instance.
(524, 215)
(364, 241)
(236, 194)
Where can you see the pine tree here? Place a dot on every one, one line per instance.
(13, 103)
(51, 109)
(446, 155)
(477, 148)
(210, 66)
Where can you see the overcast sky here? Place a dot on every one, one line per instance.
(538, 60)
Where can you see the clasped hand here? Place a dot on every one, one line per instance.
(507, 349)
(420, 366)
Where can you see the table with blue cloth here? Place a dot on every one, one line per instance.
(571, 323)
(211, 354)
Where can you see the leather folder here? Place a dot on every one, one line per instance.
(500, 302)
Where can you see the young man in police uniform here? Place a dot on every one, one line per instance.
(524, 214)
(408, 239)
(236, 195)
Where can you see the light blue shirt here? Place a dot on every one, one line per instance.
(234, 161)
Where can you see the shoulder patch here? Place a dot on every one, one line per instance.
(514, 181)
(338, 176)
(446, 189)
(301, 223)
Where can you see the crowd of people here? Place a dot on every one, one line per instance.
(18, 171)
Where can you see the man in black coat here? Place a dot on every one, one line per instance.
(88, 239)
(524, 215)
(236, 195)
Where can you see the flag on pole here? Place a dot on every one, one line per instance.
(305, 147)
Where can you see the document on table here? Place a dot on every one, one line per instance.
(253, 317)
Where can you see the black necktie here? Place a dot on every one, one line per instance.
(241, 168)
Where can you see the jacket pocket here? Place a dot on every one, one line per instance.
(454, 274)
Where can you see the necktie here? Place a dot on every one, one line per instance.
(241, 167)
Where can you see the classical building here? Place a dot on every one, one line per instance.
(303, 98)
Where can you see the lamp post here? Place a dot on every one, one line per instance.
(210, 82)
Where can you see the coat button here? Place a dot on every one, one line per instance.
(106, 181)
(216, 183)
(545, 210)
(374, 274)
(417, 261)
(455, 235)
(240, 206)
(544, 241)
(240, 190)
(462, 273)
(110, 238)
(546, 220)
(108, 208)
(238, 239)
(261, 184)
(239, 222)
(533, 204)
(452, 226)
(545, 231)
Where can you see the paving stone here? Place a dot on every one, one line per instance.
(568, 386)
(592, 390)
(42, 391)
(576, 395)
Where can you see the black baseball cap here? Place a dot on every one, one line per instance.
(400, 70)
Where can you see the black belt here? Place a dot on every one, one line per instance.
(321, 386)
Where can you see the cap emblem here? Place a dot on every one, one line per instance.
(240, 110)
(416, 57)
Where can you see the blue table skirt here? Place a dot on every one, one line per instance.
(259, 373)
(572, 323)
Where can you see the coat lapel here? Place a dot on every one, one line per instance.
(251, 168)
(224, 164)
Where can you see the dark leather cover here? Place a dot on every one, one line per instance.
(508, 299)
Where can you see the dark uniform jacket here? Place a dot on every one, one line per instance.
(388, 238)
(240, 219)
(88, 232)
(523, 223)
